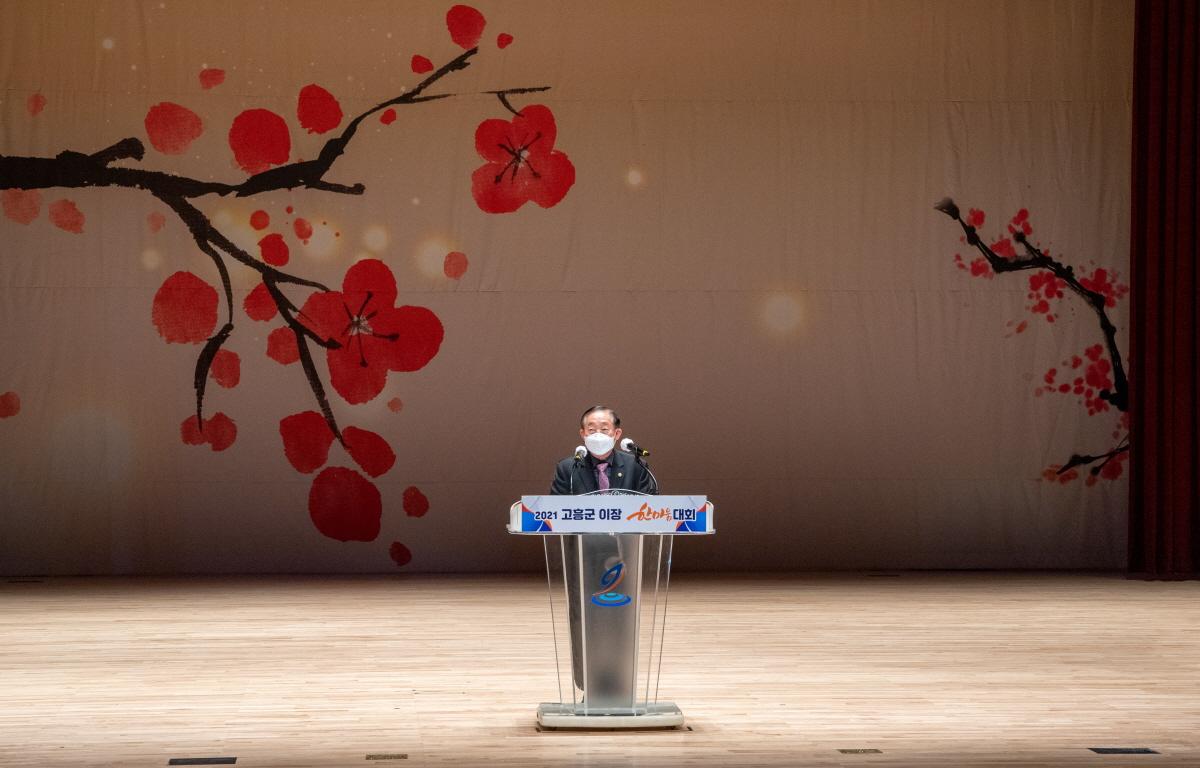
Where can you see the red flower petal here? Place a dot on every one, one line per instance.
(503, 40)
(395, 405)
(399, 553)
(419, 335)
(259, 139)
(325, 313)
(21, 205)
(415, 502)
(66, 216)
(306, 440)
(172, 128)
(370, 450)
(303, 229)
(356, 383)
(282, 347)
(369, 276)
(557, 175)
(259, 305)
(211, 78)
(226, 368)
(273, 250)
(318, 111)
(344, 505)
(455, 265)
(260, 220)
(421, 65)
(220, 431)
(388, 116)
(189, 430)
(185, 309)
(465, 24)
(10, 405)
(35, 104)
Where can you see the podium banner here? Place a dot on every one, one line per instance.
(599, 513)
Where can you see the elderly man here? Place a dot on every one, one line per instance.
(604, 468)
(608, 633)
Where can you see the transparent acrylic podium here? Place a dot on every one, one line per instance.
(608, 570)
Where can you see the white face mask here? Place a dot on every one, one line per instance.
(599, 443)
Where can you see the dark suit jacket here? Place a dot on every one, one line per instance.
(623, 472)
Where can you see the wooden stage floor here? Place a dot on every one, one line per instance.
(932, 669)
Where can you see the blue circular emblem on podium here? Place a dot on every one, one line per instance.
(611, 599)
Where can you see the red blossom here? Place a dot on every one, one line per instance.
(273, 250)
(1115, 466)
(375, 337)
(503, 40)
(1004, 249)
(317, 110)
(975, 217)
(10, 405)
(211, 77)
(522, 164)
(421, 65)
(344, 505)
(185, 309)
(1020, 223)
(259, 139)
(466, 25)
(21, 205)
(369, 450)
(981, 268)
(35, 104)
(172, 128)
(1104, 283)
(395, 405)
(415, 503)
(259, 305)
(260, 220)
(388, 116)
(226, 368)
(455, 265)
(65, 215)
(306, 440)
(1048, 284)
(219, 432)
(303, 229)
(400, 554)
(282, 347)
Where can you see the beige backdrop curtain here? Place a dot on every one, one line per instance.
(748, 266)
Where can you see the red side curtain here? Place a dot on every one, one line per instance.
(1164, 509)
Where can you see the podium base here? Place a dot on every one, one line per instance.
(664, 715)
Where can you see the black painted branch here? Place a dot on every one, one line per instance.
(1078, 460)
(1038, 260)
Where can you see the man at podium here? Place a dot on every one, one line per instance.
(602, 467)
(611, 633)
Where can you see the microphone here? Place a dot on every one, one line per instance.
(580, 452)
(629, 446)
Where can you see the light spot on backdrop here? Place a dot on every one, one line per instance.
(151, 259)
(781, 313)
(236, 226)
(107, 44)
(634, 177)
(376, 238)
(323, 242)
